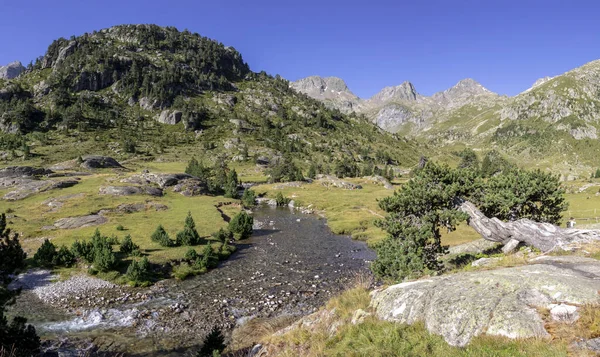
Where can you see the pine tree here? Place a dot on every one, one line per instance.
(161, 237)
(189, 235)
(213, 342)
(231, 185)
(249, 198)
(241, 225)
(46, 254)
(127, 246)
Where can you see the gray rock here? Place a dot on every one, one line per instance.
(162, 180)
(484, 262)
(130, 190)
(148, 104)
(26, 187)
(511, 246)
(11, 70)
(332, 181)
(170, 117)
(99, 162)
(591, 344)
(191, 187)
(381, 180)
(24, 171)
(564, 313)
(500, 302)
(81, 221)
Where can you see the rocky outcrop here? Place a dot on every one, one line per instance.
(184, 184)
(500, 302)
(80, 222)
(24, 171)
(130, 190)
(26, 187)
(100, 162)
(11, 70)
(381, 180)
(332, 181)
(331, 90)
(170, 117)
(404, 92)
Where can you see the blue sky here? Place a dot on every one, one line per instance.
(505, 45)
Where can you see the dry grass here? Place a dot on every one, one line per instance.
(586, 327)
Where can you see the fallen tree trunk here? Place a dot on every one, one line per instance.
(543, 236)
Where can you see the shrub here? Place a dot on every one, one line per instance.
(83, 250)
(241, 225)
(46, 254)
(120, 227)
(138, 272)
(222, 235)
(189, 235)
(231, 185)
(209, 258)
(213, 344)
(249, 198)
(281, 200)
(161, 237)
(104, 257)
(191, 255)
(64, 257)
(127, 246)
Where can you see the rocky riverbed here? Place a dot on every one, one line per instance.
(290, 266)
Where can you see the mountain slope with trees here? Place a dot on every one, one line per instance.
(144, 90)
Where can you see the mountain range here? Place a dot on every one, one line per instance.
(556, 121)
(128, 76)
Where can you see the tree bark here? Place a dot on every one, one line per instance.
(543, 236)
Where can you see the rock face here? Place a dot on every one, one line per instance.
(100, 162)
(11, 70)
(331, 90)
(498, 302)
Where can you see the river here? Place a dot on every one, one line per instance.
(290, 266)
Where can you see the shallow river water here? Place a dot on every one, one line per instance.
(290, 266)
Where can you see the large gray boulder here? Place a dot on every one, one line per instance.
(100, 162)
(500, 302)
(81, 221)
(11, 70)
(170, 117)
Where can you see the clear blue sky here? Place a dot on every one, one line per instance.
(505, 45)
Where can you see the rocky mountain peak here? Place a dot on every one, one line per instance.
(404, 92)
(461, 93)
(11, 70)
(332, 90)
(316, 85)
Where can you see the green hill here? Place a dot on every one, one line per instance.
(143, 91)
